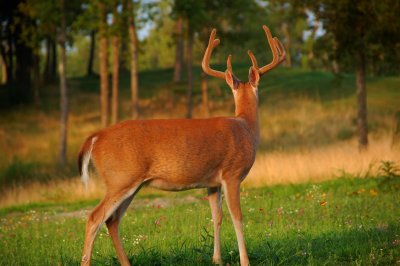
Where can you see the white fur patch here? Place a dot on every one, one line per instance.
(255, 91)
(85, 165)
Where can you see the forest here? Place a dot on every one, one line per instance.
(329, 120)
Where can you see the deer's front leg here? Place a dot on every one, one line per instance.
(214, 197)
(232, 195)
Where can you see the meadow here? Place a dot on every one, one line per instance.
(348, 221)
(311, 197)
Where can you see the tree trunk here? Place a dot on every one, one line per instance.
(179, 50)
(189, 71)
(63, 89)
(89, 71)
(103, 65)
(134, 61)
(3, 69)
(204, 81)
(335, 63)
(23, 70)
(53, 66)
(10, 56)
(115, 67)
(36, 77)
(362, 123)
(285, 31)
(396, 130)
(46, 72)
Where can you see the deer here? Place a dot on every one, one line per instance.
(179, 154)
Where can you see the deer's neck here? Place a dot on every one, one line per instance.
(247, 109)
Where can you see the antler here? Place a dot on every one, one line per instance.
(278, 52)
(205, 64)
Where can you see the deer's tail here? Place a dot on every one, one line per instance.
(84, 158)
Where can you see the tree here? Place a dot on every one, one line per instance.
(103, 64)
(134, 59)
(189, 59)
(361, 29)
(63, 86)
(89, 71)
(179, 49)
(87, 23)
(115, 44)
(192, 12)
(290, 19)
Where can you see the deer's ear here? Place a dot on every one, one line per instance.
(254, 77)
(230, 79)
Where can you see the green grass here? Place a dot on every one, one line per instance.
(349, 221)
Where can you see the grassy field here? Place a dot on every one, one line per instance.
(348, 221)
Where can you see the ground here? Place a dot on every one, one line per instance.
(349, 221)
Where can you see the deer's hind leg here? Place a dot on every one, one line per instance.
(214, 197)
(109, 206)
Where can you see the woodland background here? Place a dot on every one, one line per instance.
(324, 189)
(69, 68)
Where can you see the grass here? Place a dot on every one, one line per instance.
(347, 221)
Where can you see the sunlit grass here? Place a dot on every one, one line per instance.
(342, 222)
(323, 163)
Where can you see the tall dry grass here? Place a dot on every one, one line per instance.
(321, 163)
(276, 167)
(53, 191)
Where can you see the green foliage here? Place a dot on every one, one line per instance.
(389, 169)
(360, 25)
(19, 171)
(342, 222)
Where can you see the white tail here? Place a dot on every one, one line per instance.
(84, 162)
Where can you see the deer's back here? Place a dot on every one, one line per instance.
(186, 150)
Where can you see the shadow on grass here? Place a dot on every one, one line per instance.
(365, 246)
(375, 246)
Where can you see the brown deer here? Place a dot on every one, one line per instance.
(179, 154)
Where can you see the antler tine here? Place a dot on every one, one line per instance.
(281, 49)
(253, 59)
(205, 64)
(229, 63)
(278, 52)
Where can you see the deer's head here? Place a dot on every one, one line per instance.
(244, 89)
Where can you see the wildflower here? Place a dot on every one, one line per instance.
(373, 192)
